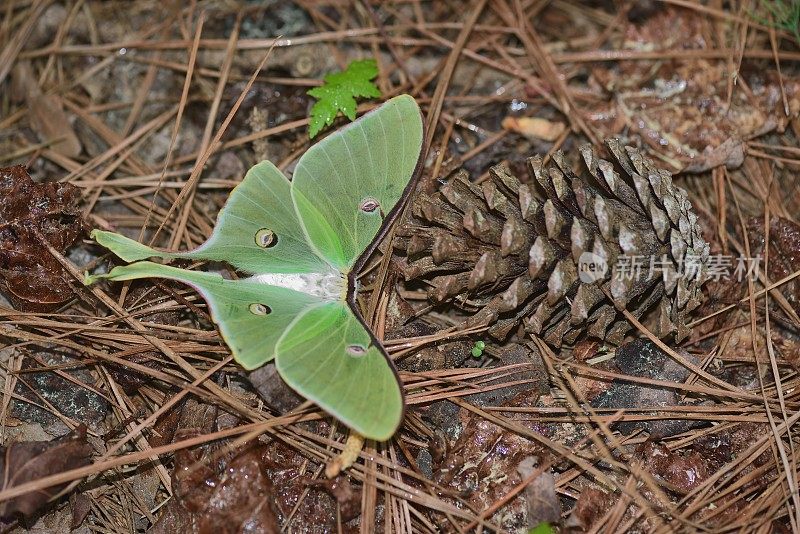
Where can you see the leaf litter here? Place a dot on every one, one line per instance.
(30, 214)
(25, 461)
(706, 91)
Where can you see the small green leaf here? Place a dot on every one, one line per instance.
(542, 528)
(339, 93)
(477, 349)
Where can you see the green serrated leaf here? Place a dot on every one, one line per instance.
(339, 93)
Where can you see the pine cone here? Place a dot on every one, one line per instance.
(508, 255)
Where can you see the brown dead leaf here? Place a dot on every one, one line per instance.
(273, 390)
(543, 503)
(247, 490)
(784, 253)
(483, 464)
(591, 506)
(80, 506)
(26, 461)
(29, 275)
(236, 498)
(730, 154)
(165, 427)
(679, 472)
(46, 113)
(535, 127)
(739, 348)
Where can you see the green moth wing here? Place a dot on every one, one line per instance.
(257, 231)
(347, 187)
(251, 316)
(322, 350)
(329, 356)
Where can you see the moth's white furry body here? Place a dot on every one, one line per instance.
(327, 286)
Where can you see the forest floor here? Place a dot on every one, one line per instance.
(121, 408)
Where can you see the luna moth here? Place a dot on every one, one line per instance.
(302, 243)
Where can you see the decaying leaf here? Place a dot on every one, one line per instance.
(26, 461)
(740, 347)
(590, 507)
(29, 275)
(80, 506)
(685, 109)
(240, 498)
(784, 253)
(679, 472)
(273, 390)
(46, 113)
(340, 488)
(252, 489)
(483, 464)
(540, 493)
